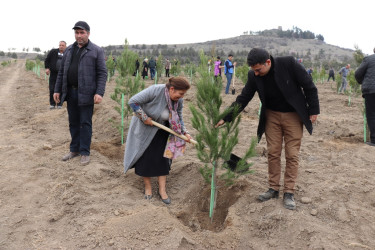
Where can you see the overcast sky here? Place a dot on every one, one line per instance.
(43, 23)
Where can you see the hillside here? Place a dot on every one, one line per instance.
(313, 51)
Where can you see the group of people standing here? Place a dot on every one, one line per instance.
(289, 102)
(151, 65)
(228, 70)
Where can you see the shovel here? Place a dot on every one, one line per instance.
(232, 163)
(172, 132)
(234, 78)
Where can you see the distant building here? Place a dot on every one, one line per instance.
(280, 28)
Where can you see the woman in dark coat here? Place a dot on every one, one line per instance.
(145, 68)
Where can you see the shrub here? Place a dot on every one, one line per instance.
(30, 65)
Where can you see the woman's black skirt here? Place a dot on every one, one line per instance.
(152, 163)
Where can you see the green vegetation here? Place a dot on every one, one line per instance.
(30, 65)
(159, 66)
(5, 63)
(126, 61)
(176, 68)
(219, 141)
(242, 72)
(127, 87)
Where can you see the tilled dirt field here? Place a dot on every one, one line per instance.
(49, 204)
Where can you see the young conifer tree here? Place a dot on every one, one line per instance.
(215, 145)
(126, 61)
(126, 85)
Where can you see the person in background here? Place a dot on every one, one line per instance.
(152, 66)
(136, 68)
(148, 149)
(52, 64)
(365, 75)
(310, 71)
(145, 68)
(289, 99)
(167, 67)
(217, 70)
(344, 71)
(331, 74)
(81, 82)
(228, 71)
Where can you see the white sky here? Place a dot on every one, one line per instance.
(43, 23)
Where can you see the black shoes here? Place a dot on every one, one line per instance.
(166, 201)
(288, 199)
(370, 144)
(268, 195)
(289, 202)
(148, 197)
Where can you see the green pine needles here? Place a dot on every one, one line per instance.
(128, 87)
(215, 145)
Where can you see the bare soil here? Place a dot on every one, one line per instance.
(49, 204)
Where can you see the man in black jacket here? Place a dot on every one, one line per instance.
(81, 81)
(52, 64)
(289, 100)
(365, 75)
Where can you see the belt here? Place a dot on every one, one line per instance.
(73, 87)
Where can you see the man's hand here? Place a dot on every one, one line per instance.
(47, 72)
(97, 99)
(313, 118)
(56, 97)
(221, 122)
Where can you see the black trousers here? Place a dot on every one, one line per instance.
(80, 123)
(52, 82)
(370, 114)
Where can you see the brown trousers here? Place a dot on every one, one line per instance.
(281, 127)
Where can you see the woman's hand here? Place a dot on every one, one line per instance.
(148, 121)
(188, 137)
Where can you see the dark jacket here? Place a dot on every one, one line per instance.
(51, 60)
(92, 74)
(365, 75)
(152, 64)
(294, 83)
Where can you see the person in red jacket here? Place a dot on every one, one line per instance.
(289, 100)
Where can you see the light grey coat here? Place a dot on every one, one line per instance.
(152, 101)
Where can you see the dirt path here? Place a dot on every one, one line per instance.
(49, 204)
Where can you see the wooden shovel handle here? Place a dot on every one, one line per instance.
(171, 131)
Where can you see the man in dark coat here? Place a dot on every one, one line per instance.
(81, 81)
(289, 100)
(365, 75)
(152, 66)
(52, 64)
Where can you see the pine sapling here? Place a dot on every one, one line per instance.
(215, 145)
